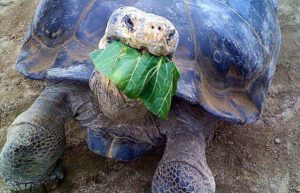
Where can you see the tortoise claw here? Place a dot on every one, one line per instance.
(50, 186)
(43, 188)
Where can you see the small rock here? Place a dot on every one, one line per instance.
(230, 143)
(297, 189)
(277, 141)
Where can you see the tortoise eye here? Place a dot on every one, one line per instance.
(171, 35)
(128, 22)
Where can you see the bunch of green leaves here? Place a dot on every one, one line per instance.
(139, 75)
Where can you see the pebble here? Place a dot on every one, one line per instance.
(230, 143)
(297, 189)
(277, 141)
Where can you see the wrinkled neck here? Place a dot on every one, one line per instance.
(187, 119)
(113, 103)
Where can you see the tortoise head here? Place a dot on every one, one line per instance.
(141, 30)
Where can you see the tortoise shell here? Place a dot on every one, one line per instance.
(227, 51)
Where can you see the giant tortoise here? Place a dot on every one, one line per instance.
(226, 52)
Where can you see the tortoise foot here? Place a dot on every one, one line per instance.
(173, 177)
(45, 185)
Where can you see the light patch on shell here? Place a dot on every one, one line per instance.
(141, 30)
(67, 71)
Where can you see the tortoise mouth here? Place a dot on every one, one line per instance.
(112, 39)
(141, 48)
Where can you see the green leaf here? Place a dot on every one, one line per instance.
(133, 72)
(139, 75)
(107, 56)
(157, 96)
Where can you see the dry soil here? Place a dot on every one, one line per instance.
(263, 157)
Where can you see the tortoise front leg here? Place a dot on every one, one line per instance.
(36, 140)
(183, 167)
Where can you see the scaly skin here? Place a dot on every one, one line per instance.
(36, 138)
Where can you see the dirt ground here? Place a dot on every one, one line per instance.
(263, 157)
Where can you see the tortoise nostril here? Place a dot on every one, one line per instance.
(109, 39)
(171, 35)
(128, 22)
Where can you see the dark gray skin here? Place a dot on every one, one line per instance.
(36, 139)
(37, 135)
